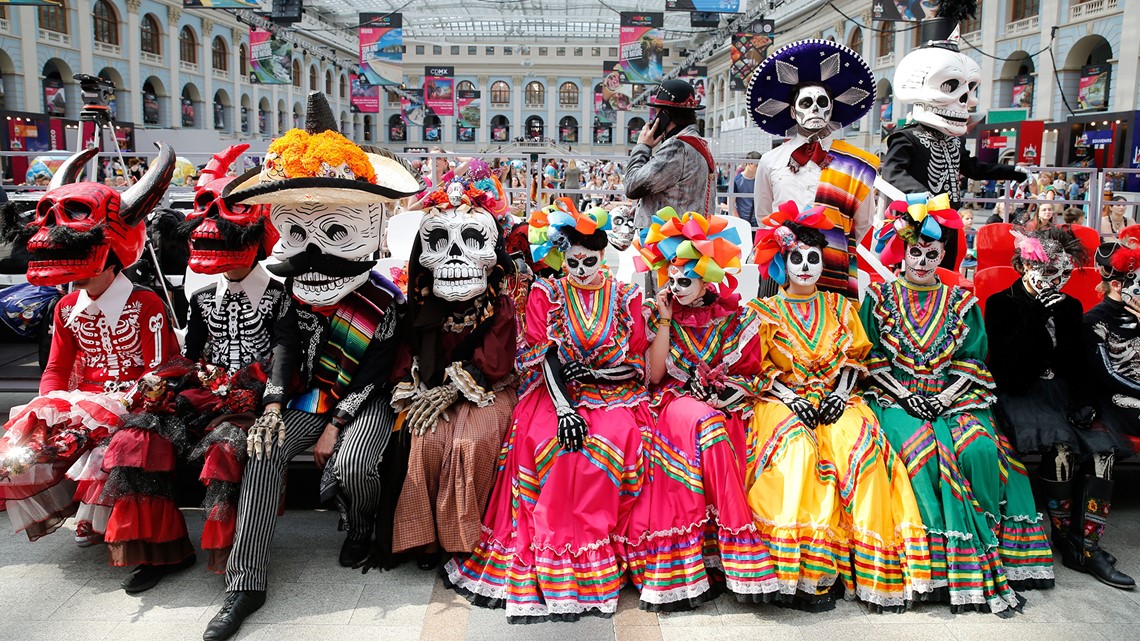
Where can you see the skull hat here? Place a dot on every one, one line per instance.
(838, 68)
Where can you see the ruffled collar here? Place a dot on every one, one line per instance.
(724, 305)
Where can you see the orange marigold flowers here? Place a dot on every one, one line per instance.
(305, 154)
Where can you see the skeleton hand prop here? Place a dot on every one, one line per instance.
(259, 441)
(572, 431)
(831, 408)
(1050, 297)
(576, 371)
(429, 407)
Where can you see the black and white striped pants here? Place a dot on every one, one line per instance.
(357, 469)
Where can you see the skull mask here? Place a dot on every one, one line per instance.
(921, 261)
(327, 249)
(805, 265)
(455, 193)
(458, 247)
(1051, 276)
(685, 289)
(812, 109)
(79, 226)
(941, 83)
(583, 265)
(621, 235)
(226, 237)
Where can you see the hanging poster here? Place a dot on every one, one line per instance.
(617, 92)
(718, 6)
(1023, 93)
(381, 38)
(270, 59)
(439, 90)
(252, 5)
(467, 104)
(26, 134)
(1092, 91)
(697, 76)
(55, 98)
(365, 97)
(642, 46)
(219, 116)
(412, 107)
(187, 112)
(704, 20)
(904, 10)
(29, 3)
(748, 51)
(150, 108)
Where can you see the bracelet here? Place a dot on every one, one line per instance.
(665, 322)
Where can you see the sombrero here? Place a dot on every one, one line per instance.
(844, 73)
(318, 164)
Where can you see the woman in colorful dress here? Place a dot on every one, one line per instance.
(931, 391)
(831, 498)
(573, 460)
(692, 519)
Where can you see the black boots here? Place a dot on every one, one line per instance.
(354, 551)
(144, 577)
(1076, 533)
(228, 620)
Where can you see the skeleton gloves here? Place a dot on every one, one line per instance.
(267, 427)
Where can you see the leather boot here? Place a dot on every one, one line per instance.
(237, 607)
(1090, 516)
(1059, 505)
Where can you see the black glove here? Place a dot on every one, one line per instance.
(806, 412)
(936, 407)
(1050, 297)
(572, 431)
(576, 371)
(1082, 417)
(918, 407)
(831, 408)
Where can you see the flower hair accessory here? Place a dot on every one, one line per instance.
(1030, 249)
(1127, 257)
(775, 238)
(704, 248)
(548, 243)
(908, 221)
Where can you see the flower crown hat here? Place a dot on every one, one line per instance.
(1118, 260)
(908, 221)
(776, 238)
(548, 243)
(704, 248)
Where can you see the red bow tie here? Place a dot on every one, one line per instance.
(810, 151)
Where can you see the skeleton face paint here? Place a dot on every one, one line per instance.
(329, 249)
(459, 249)
(1130, 288)
(805, 265)
(812, 109)
(1050, 277)
(941, 85)
(686, 291)
(583, 265)
(921, 260)
(621, 235)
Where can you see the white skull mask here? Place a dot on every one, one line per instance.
(1051, 276)
(921, 260)
(812, 109)
(455, 193)
(621, 235)
(327, 241)
(686, 291)
(804, 265)
(582, 265)
(458, 247)
(941, 84)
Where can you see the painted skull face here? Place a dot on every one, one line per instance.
(941, 84)
(459, 250)
(812, 109)
(921, 261)
(686, 291)
(455, 193)
(583, 265)
(1051, 276)
(226, 237)
(804, 265)
(328, 250)
(621, 235)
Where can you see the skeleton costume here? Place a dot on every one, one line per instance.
(554, 535)
(931, 391)
(333, 346)
(1047, 400)
(453, 370)
(806, 91)
(692, 528)
(830, 496)
(100, 346)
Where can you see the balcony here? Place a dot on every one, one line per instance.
(221, 74)
(1092, 8)
(973, 37)
(55, 37)
(885, 61)
(1028, 25)
(188, 67)
(151, 58)
(105, 48)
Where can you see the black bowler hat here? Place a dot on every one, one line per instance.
(676, 94)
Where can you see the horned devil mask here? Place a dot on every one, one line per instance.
(327, 249)
(458, 247)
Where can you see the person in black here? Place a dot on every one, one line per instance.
(1046, 402)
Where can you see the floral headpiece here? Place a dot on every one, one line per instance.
(911, 220)
(1029, 248)
(1126, 258)
(775, 238)
(548, 243)
(704, 248)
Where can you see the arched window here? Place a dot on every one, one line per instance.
(500, 93)
(343, 87)
(500, 129)
(297, 73)
(397, 130)
(856, 40)
(243, 60)
(368, 129)
(54, 17)
(465, 85)
(150, 35)
(535, 94)
(105, 23)
(568, 129)
(313, 79)
(568, 95)
(633, 128)
(328, 83)
(535, 128)
(220, 55)
(886, 39)
(188, 46)
(433, 128)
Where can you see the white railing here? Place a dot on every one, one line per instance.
(191, 67)
(973, 36)
(885, 61)
(56, 37)
(222, 74)
(1091, 8)
(1022, 26)
(151, 58)
(109, 49)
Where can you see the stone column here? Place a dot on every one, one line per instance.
(586, 120)
(33, 68)
(483, 133)
(552, 104)
(132, 45)
(85, 39)
(173, 59)
(206, 64)
(518, 87)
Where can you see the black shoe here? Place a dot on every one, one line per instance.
(144, 577)
(354, 551)
(237, 607)
(1108, 556)
(1098, 566)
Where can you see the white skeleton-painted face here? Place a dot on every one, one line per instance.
(583, 265)
(459, 249)
(921, 260)
(621, 235)
(686, 291)
(942, 86)
(326, 242)
(812, 109)
(1130, 288)
(1050, 277)
(804, 265)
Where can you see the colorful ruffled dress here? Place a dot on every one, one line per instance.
(985, 534)
(834, 502)
(694, 527)
(553, 533)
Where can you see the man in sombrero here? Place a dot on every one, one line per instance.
(806, 91)
(333, 347)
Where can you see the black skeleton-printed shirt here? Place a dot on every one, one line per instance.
(1113, 337)
(229, 329)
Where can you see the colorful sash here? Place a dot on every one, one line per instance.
(843, 185)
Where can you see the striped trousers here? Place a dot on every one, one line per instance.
(357, 468)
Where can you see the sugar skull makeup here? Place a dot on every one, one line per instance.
(459, 249)
(812, 108)
(686, 291)
(804, 265)
(921, 260)
(583, 265)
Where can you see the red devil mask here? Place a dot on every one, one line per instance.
(79, 226)
(226, 237)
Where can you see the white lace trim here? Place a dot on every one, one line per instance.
(711, 515)
(468, 387)
(1022, 574)
(681, 593)
(751, 587)
(481, 588)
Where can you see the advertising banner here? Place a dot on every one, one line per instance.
(270, 59)
(381, 48)
(1023, 93)
(704, 20)
(718, 6)
(150, 108)
(1092, 91)
(467, 104)
(904, 10)
(29, 3)
(252, 5)
(439, 89)
(1133, 180)
(412, 107)
(748, 51)
(55, 98)
(365, 97)
(616, 94)
(187, 112)
(33, 135)
(642, 44)
(697, 76)
(1029, 141)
